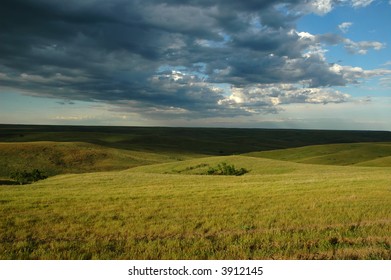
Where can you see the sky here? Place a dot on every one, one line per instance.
(322, 64)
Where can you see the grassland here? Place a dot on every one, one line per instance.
(74, 157)
(359, 154)
(293, 203)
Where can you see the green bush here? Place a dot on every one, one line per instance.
(226, 169)
(24, 177)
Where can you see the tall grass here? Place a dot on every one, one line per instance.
(279, 210)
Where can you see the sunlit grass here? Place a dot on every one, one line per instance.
(279, 210)
(362, 154)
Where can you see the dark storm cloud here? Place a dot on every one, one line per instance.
(164, 56)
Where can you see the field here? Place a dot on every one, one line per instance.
(143, 193)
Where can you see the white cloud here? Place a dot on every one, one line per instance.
(306, 36)
(268, 97)
(353, 74)
(344, 27)
(385, 82)
(361, 3)
(320, 7)
(362, 47)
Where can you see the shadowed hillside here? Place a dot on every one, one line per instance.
(71, 157)
(211, 141)
(79, 149)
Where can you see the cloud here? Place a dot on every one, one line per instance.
(352, 47)
(320, 6)
(386, 82)
(353, 75)
(362, 47)
(191, 58)
(361, 3)
(270, 95)
(66, 102)
(73, 118)
(344, 27)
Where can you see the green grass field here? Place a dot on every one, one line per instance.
(328, 201)
(360, 154)
(75, 157)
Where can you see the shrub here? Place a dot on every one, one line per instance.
(24, 177)
(226, 169)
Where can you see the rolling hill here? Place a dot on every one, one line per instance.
(279, 210)
(207, 141)
(360, 154)
(143, 193)
(73, 157)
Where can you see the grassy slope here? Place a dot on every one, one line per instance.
(72, 157)
(279, 210)
(255, 166)
(362, 154)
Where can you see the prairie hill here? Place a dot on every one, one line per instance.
(360, 154)
(279, 210)
(79, 149)
(259, 167)
(207, 141)
(200, 166)
(72, 157)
